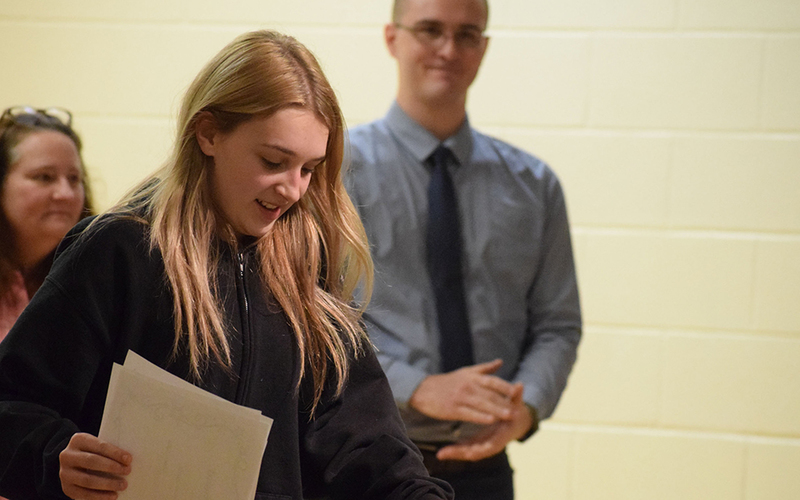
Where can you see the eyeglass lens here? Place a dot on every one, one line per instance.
(435, 35)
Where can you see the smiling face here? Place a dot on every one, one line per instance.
(437, 75)
(263, 166)
(42, 196)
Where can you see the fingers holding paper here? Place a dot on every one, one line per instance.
(92, 469)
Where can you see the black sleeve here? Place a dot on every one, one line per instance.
(357, 443)
(56, 361)
(32, 438)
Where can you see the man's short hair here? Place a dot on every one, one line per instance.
(399, 6)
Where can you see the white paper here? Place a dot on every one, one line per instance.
(186, 443)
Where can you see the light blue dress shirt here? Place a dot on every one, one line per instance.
(519, 273)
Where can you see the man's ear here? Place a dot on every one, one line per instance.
(389, 36)
(485, 46)
(205, 131)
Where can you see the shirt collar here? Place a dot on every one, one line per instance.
(421, 143)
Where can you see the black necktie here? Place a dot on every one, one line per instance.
(444, 265)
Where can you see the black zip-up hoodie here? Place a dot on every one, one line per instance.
(106, 294)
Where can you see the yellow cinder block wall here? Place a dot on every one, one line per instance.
(675, 128)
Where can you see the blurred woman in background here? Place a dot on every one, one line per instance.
(43, 193)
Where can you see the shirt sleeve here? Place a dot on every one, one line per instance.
(402, 376)
(554, 324)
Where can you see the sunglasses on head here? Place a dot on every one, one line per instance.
(27, 115)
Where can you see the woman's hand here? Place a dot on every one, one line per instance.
(92, 469)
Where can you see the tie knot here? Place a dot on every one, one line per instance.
(440, 156)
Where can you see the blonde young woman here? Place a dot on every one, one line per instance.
(234, 267)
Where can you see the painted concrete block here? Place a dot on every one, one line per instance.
(273, 12)
(609, 179)
(749, 183)
(771, 471)
(120, 153)
(532, 80)
(740, 14)
(781, 101)
(112, 70)
(616, 380)
(777, 285)
(618, 465)
(652, 279)
(740, 384)
(609, 14)
(543, 464)
(663, 81)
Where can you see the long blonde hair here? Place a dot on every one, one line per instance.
(314, 256)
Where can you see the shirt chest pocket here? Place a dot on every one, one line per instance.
(507, 245)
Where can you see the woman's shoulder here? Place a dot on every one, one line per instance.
(105, 237)
(105, 255)
(107, 230)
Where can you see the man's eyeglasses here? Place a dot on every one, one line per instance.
(434, 35)
(26, 115)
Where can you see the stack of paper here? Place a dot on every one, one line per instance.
(186, 443)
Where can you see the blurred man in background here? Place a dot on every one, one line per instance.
(475, 312)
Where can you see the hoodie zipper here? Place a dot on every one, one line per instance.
(244, 305)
